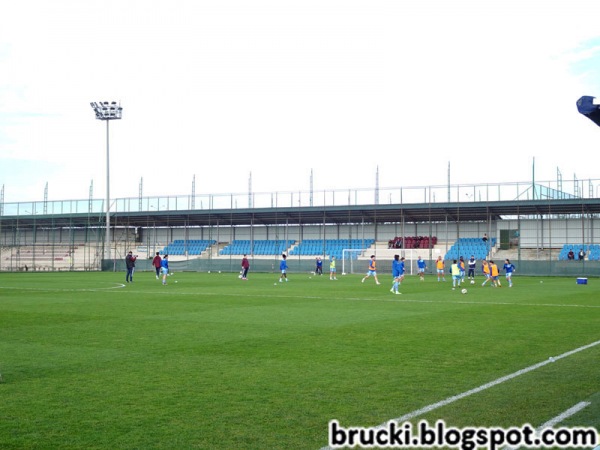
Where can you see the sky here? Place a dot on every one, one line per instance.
(273, 90)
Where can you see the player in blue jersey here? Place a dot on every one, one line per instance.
(397, 273)
(164, 268)
(283, 268)
(509, 268)
(421, 266)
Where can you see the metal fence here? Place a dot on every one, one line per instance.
(462, 193)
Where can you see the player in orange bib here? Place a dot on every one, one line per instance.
(372, 270)
(485, 267)
(439, 265)
(495, 274)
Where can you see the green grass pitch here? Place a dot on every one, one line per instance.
(214, 362)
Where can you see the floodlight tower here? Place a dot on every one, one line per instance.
(107, 111)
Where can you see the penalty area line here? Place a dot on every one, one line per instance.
(558, 419)
(483, 387)
(562, 416)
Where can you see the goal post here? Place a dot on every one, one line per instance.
(351, 263)
(349, 259)
(411, 256)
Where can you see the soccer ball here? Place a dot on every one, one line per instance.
(464, 291)
(240, 276)
(472, 281)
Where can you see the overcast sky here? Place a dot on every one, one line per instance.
(219, 89)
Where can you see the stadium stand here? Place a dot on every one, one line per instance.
(191, 246)
(466, 247)
(260, 247)
(412, 242)
(330, 247)
(592, 251)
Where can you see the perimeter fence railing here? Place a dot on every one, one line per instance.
(461, 193)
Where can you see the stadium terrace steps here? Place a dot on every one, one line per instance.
(330, 247)
(466, 247)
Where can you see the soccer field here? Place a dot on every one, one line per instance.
(213, 362)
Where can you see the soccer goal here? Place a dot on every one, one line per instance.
(349, 259)
(351, 264)
(410, 260)
(411, 256)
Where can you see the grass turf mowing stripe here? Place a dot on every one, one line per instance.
(386, 300)
(299, 297)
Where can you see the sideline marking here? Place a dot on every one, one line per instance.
(116, 286)
(483, 387)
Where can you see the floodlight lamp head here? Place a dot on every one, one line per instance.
(107, 110)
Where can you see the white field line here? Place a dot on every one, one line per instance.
(556, 420)
(568, 413)
(299, 297)
(483, 387)
(302, 297)
(116, 286)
